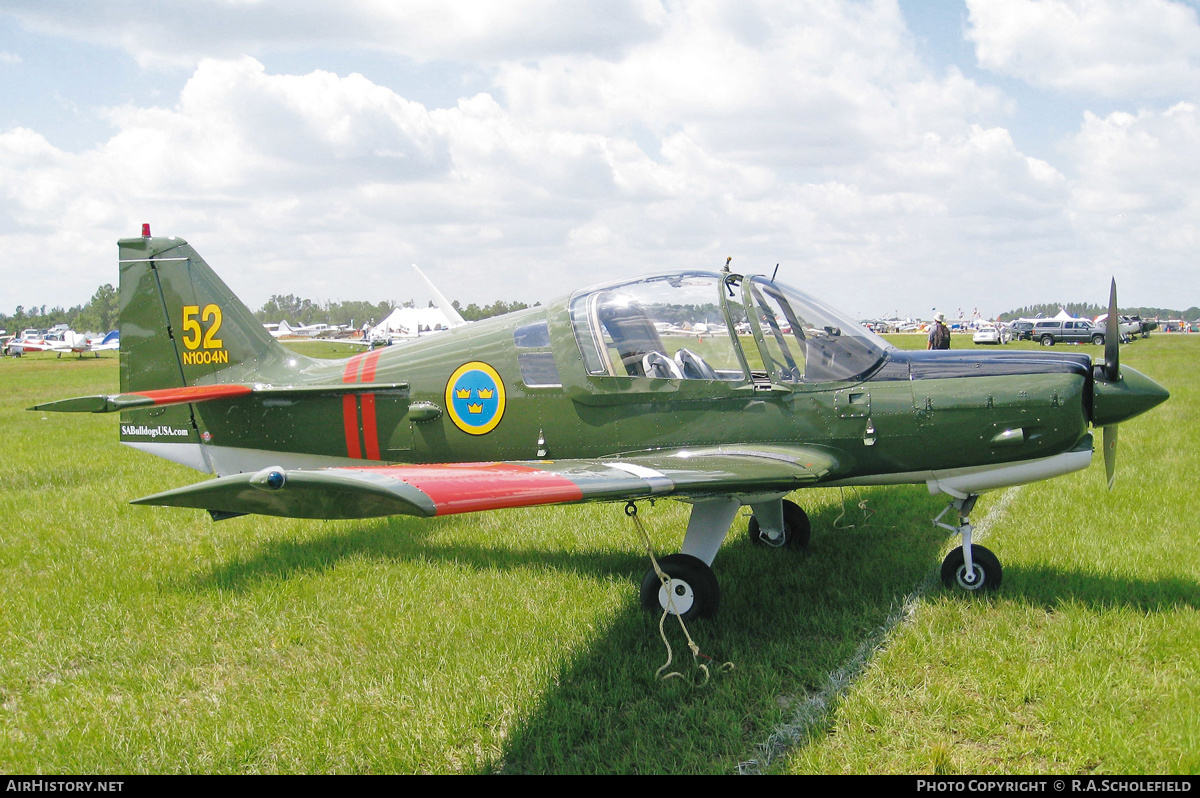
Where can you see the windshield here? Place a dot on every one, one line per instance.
(669, 327)
(806, 340)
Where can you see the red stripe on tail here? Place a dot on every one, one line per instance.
(196, 393)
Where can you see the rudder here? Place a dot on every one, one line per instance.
(182, 326)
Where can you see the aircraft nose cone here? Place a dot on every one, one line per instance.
(1132, 394)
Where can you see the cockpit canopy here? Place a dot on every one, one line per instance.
(697, 325)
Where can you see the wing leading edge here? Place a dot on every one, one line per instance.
(447, 489)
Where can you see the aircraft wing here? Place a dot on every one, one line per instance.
(446, 489)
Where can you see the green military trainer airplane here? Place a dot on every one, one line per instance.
(720, 389)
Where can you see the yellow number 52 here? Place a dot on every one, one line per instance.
(192, 330)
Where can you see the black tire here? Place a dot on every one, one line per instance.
(1047, 340)
(1098, 340)
(697, 594)
(797, 529)
(988, 572)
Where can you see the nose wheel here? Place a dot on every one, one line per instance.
(969, 567)
(983, 574)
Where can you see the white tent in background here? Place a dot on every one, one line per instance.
(409, 323)
(1063, 315)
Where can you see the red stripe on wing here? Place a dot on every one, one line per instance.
(470, 487)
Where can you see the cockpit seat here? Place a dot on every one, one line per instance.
(693, 367)
(659, 366)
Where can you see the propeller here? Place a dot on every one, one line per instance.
(1110, 454)
(1118, 394)
(1112, 373)
(1112, 338)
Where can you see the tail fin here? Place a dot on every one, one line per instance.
(182, 326)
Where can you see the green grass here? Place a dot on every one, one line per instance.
(139, 639)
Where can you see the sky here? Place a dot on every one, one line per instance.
(892, 156)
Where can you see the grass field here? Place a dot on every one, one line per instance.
(138, 639)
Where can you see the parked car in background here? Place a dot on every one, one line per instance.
(1068, 331)
(989, 334)
(1021, 330)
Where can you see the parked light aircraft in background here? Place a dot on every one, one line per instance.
(63, 341)
(584, 400)
(285, 330)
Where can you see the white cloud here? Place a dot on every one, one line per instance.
(807, 134)
(236, 127)
(187, 31)
(1137, 201)
(1108, 48)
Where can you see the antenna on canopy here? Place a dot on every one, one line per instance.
(727, 262)
(775, 272)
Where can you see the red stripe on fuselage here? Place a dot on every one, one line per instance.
(196, 393)
(470, 487)
(350, 418)
(350, 423)
(350, 409)
(351, 372)
(370, 360)
(370, 427)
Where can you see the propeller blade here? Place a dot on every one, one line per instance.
(1112, 340)
(1110, 454)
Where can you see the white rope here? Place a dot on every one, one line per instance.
(664, 580)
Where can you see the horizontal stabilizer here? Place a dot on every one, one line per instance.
(207, 393)
(326, 493)
(446, 489)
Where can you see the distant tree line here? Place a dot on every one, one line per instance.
(473, 312)
(295, 310)
(305, 311)
(1090, 311)
(98, 315)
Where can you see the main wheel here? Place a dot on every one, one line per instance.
(1047, 340)
(797, 529)
(692, 589)
(984, 576)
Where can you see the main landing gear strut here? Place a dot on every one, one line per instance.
(690, 588)
(969, 567)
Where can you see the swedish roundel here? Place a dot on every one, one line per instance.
(475, 398)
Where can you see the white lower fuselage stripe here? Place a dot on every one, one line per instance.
(658, 481)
